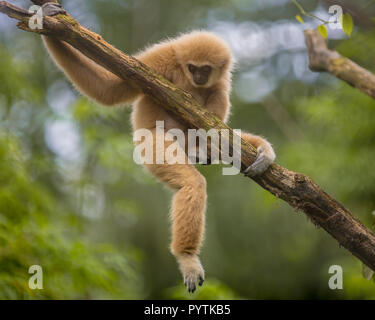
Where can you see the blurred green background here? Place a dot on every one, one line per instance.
(73, 201)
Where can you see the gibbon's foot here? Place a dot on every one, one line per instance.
(192, 271)
(52, 9)
(266, 156)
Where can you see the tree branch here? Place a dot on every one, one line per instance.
(296, 189)
(323, 59)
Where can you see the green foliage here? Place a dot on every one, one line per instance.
(299, 19)
(35, 229)
(347, 23)
(323, 31)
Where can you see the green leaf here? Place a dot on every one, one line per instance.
(347, 23)
(299, 18)
(323, 31)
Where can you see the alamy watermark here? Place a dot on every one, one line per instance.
(336, 280)
(334, 21)
(36, 21)
(159, 146)
(36, 280)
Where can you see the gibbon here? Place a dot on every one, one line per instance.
(199, 63)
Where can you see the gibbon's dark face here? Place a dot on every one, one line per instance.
(201, 74)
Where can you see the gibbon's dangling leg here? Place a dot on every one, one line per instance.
(187, 214)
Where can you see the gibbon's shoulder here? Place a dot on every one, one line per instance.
(158, 55)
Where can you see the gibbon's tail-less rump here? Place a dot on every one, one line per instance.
(199, 63)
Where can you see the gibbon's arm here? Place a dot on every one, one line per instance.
(218, 103)
(90, 78)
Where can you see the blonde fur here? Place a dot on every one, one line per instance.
(169, 58)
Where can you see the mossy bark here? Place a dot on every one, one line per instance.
(322, 59)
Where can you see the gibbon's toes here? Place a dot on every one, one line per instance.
(201, 280)
(191, 281)
(192, 271)
(258, 167)
(261, 164)
(190, 284)
(52, 9)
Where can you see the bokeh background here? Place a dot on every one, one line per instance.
(73, 201)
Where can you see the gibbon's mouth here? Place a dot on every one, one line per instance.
(200, 80)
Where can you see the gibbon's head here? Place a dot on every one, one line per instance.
(204, 58)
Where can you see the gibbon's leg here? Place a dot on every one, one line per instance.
(90, 78)
(187, 215)
(266, 155)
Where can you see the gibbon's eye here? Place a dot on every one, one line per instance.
(206, 69)
(192, 68)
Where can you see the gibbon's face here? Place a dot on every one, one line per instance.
(204, 58)
(202, 74)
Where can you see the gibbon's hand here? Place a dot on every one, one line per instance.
(266, 156)
(52, 9)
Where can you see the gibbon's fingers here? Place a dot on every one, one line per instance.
(264, 159)
(52, 9)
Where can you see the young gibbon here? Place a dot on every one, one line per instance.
(199, 63)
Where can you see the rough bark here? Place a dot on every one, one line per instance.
(322, 59)
(296, 189)
(41, 2)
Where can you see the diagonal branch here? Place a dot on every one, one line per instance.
(13, 11)
(296, 189)
(323, 59)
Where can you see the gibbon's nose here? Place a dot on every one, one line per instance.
(200, 79)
